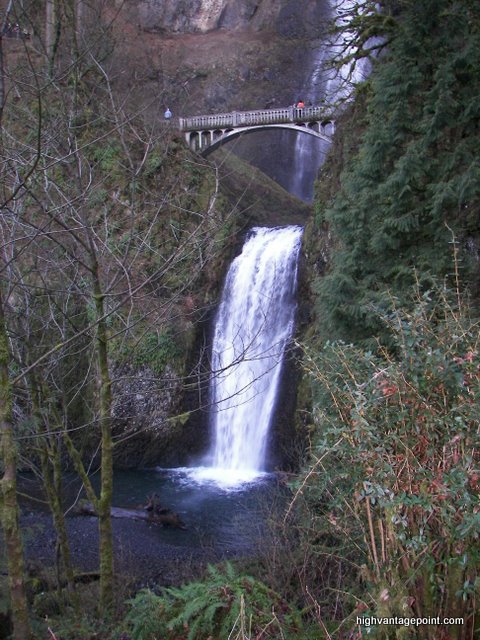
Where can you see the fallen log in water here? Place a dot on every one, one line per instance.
(165, 517)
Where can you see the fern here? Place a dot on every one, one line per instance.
(212, 607)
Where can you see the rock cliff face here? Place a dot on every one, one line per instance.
(293, 18)
(203, 56)
(143, 406)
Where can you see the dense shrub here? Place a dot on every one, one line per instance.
(396, 467)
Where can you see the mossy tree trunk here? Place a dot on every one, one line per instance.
(9, 506)
(9, 510)
(103, 501)
(51, 480)
(105, 409)
(51, 470)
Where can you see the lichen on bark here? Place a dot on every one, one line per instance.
(9, 503)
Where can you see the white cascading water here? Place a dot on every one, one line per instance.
(253, 325)
(327, 87)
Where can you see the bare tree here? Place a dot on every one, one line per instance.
(69, 139)
(9, 502)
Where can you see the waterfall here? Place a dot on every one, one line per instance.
(253, 325)
(328, 87)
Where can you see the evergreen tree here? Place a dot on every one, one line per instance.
(414, 183)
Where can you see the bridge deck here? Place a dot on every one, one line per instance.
(238, 119)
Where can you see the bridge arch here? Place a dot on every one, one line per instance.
(229, 135)
(206, 133)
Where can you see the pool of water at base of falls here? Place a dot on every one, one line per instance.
(229, 518)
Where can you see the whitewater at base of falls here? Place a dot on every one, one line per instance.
(223, 478)
(254, 322)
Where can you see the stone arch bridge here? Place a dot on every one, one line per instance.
(206, 133)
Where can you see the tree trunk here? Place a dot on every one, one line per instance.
(49, 27)
(53, 30)
(166, 518)
(50, 455)
(51, 469)
(106, 486)
(10, 510)
(79, 18)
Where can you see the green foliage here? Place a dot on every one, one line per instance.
(154, 162)
(97, 198)
(109, 157)
(75, 615)
(415, 171)
(216, 607)
(398, 441)
(155, 350)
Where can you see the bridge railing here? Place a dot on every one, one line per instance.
(252, 118)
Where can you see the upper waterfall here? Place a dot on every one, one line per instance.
(327, 85)
(253, 324)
